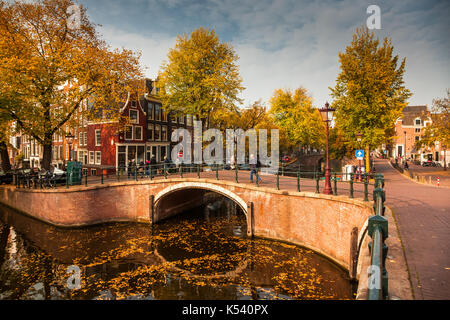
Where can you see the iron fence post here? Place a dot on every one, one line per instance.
(298, 181)
(198, 171)
(366, 188)
(236, 174)
(101, 177)
(335, 185)
(316, 174)
(85, 179)
(278, 180)
(217, 171)
(351, 186)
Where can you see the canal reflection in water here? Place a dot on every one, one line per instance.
(200, 254)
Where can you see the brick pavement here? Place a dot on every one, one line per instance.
(422, 213)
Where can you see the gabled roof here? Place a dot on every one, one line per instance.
(410, 113)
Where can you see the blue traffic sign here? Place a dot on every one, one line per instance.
(360, 154)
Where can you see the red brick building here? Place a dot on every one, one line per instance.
(409, 129)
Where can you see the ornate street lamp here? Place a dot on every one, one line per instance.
(327, 116)
(359, 139)
(69, 138)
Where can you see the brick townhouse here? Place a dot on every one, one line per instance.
(409, 129)
(148, 134)
(103, 146)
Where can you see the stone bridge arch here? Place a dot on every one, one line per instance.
(187, 194)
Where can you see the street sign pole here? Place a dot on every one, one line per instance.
(360, 156)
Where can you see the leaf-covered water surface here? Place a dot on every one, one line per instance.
(191, 256)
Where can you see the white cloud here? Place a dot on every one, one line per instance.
(287, 43)
(153, 49)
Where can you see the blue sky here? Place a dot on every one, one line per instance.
(286, 43)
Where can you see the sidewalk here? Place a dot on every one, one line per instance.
(422, 213)
(433, 173)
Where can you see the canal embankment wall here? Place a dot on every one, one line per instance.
(325, 224)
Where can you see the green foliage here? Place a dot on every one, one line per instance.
(369, 93)
(439, 130)
(201, 77)
(295, 114)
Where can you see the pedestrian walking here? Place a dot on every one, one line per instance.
(254, 168)
(130, 168)
(232, 163)
(166, 165)
(153, 165)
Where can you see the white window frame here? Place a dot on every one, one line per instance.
(417, 124)
(98, 157)
(98, 139)
(151, 107)
(134, 133)
(91, 157)
(125, 134)
(167, 134)
(151, 128)
(159, 136)
(137, 116)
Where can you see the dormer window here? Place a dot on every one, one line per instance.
(418, 122)
(133, 104)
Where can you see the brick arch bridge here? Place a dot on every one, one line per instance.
(329, 225)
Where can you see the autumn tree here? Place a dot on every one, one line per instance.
(295, 114)
(53, 60)
(4, 141)
(7, 100)
(369, 93)
(439, 130)
(201, 76)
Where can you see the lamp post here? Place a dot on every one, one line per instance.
(69, 138)
(359, 139)
(445, 157)
(327, 116)
(405, 144)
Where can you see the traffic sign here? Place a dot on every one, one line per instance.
(360, 154)
(180, 154)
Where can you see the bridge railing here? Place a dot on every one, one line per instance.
(378, 231)
(353, 185)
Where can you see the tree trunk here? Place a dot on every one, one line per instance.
(4, 157)
(47, 156)
(367, 158)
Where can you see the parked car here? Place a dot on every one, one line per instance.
(428, 163)
(286, 159)
(6, 177)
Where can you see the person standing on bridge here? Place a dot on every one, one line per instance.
(153, 165)
(130, 168)
(166, 165)
(254, 168)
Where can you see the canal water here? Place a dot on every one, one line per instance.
(203, 253)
